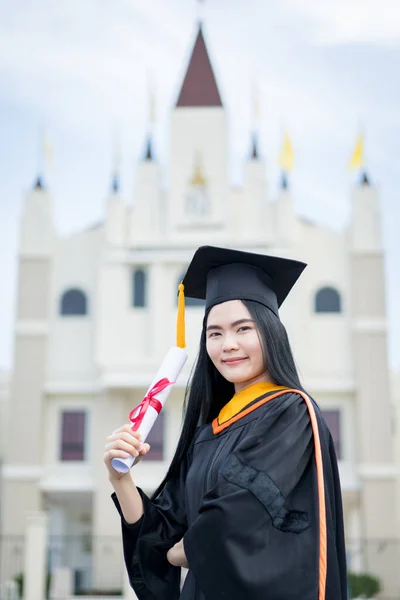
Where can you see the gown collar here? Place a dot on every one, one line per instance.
(243, 398)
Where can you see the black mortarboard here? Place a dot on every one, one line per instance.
(221, 274)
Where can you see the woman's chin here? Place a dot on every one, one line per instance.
(237, 377)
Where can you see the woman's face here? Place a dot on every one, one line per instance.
(233, 344)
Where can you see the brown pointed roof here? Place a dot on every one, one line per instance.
(199, 87)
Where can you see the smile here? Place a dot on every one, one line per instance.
(234, 361)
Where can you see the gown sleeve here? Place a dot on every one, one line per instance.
(256, 535)
(146, 542)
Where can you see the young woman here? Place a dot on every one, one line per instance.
(251, 503)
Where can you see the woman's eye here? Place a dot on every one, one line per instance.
(244, 328)
(214, 334)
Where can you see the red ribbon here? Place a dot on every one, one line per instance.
(149, 400)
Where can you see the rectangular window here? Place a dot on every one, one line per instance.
(156, 439)
(139, 288)
(73, 425)
(332, 419)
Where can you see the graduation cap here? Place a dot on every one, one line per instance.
(217, 275)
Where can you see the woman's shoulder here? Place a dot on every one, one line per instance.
(287, 400)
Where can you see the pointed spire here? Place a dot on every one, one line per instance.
(254, 148)
(38, 184)
(199, 87)
(148, 153)
(116, 162)
(115, 185)
(284, 185)
(365, 179)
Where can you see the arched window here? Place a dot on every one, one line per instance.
(73, 303)
(327, 300)
(139, 281)
(188, 301)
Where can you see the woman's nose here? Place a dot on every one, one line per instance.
(229, 342)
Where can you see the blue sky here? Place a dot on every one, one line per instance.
(80, 68)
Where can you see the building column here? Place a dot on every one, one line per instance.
(354, 542)
(375, 440)
(23, 454)
(107, 565)
(35, 571)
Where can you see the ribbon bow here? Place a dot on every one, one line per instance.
(149, 400)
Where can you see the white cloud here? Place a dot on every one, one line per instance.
(349, 21)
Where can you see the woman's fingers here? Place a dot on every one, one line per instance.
(115, 453)
(126, 439)
(144, 449)
(176, 555)
(119, 444)
(123, 443)
(129, 442)
(142, 453)
(125, 432)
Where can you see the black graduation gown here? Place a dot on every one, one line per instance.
(246, 504)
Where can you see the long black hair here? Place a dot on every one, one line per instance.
(208, 391)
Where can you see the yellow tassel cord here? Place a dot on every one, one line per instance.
(180, 323)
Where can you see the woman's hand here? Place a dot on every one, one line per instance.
(122, 443)
(176, 555)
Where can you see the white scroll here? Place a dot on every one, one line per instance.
(170, 369)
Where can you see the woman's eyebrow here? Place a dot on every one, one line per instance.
(234, 324)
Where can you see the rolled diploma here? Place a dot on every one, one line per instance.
(171, 367)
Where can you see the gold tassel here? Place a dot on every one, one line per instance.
(180, 323)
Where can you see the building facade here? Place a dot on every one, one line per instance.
(96, 314)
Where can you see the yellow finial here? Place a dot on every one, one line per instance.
(180, 323)
(198, 176)
(357, 158)
(286, 155)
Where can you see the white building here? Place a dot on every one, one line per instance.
(4, 398)
(96, 314)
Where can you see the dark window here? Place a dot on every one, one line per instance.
(73, 302)
(332, 419)
(156, 439)
(327, 300)
(189, 301)
(139, 288)
(73, 435)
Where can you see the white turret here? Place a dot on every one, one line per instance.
(254, 224)
(37, 229)
(145, 221)
(375, 447)
(365, 231)
(198, 141)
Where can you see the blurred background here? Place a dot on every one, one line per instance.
(133, 132)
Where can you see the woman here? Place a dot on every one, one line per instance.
(251, 503)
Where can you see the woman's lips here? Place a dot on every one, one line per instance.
(234, 361)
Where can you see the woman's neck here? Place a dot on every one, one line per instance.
(242, 385)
